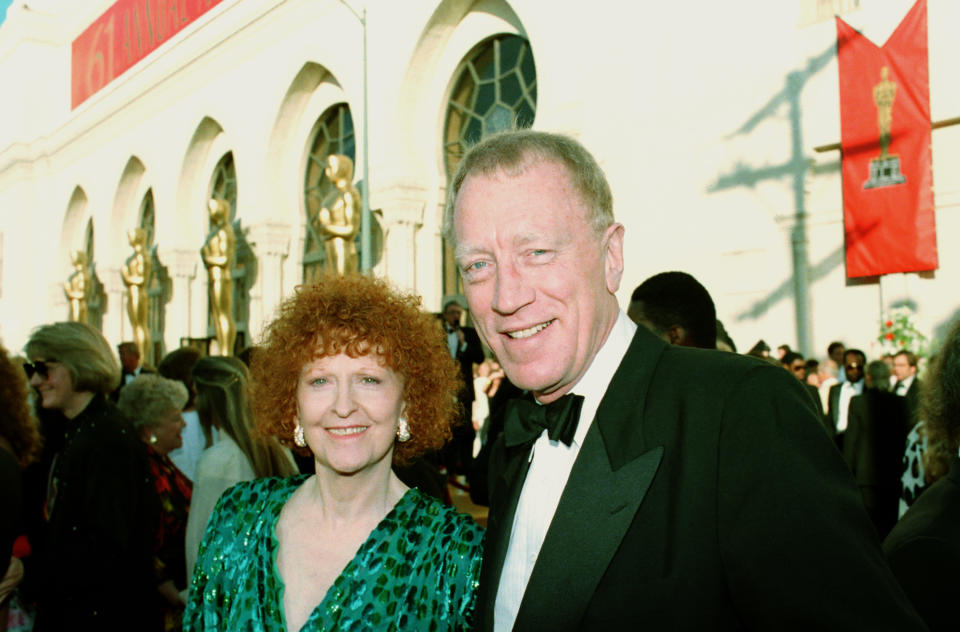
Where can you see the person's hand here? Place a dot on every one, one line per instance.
(171, 594)
(460, 337)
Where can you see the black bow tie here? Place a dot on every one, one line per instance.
(525, 420)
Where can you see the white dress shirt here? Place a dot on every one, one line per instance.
(551, 462)
(847, 391)
(194, 442)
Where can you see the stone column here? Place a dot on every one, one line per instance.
(115, 328)
(402, 218)
(271, 244)
(181, 317)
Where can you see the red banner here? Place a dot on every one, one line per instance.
(885, 136)
(126, 33)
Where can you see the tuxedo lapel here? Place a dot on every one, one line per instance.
(596, 509)
(606, 487)
(512, 465)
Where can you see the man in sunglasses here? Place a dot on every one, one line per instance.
(838, 400)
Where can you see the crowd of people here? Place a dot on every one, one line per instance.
(634, 474)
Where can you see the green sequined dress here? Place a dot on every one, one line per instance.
(417, 570)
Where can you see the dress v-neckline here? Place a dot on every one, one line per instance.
(274, 545)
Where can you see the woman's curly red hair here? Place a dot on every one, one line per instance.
(356, 315)
(17, 424)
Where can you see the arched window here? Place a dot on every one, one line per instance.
(333, 135)
(156, 283)
(223, 186)
(495, 89)
(224, 182)
(95, 302)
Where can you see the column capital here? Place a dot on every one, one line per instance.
(179, 262)
(270, 238)
(403, 204)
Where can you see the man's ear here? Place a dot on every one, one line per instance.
(613, 256)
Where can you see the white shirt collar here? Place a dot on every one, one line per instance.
(599, 374)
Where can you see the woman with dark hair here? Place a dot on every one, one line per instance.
(153, 404)
(924, 547)
(96, 553)
(353, 373)
(19, 445)
(239, 454)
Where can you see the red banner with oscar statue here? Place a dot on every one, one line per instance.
(885, 138)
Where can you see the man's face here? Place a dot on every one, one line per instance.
(853, 367)
(539, 281)
(837, 355)
(798, 368)
(129, 359)
(902, 368)
(452, 315)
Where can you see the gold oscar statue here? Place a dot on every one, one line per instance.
(885, 168)
(218, 253)
(883, 95)
(136, 273)
(338, 220)
(77, 287)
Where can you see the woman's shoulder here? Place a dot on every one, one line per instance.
(450, 526)
(261, 490)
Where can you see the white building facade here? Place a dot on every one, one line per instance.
(706, 117)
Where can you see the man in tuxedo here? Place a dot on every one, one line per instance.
(838, 399)
(466, 349)
(129, 355)
(676, 307)
(873, 447)
(907, 384)
(697, 491)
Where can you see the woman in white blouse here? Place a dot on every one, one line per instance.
(238, 454)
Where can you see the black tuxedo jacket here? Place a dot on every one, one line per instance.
(924, 551)
(472, 354)
(705, 497)
(912, 398)
(873, 449)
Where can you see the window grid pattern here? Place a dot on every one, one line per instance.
(334, 135)
(495, 90)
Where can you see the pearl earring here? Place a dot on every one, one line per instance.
(403, 430)
(298, 438)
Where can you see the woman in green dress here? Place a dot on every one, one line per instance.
(357, 375)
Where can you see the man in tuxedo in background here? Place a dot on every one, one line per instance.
(697, 491)
(838, 399)
(130, 365)
(676, 307)
(466, 349)
(873, 447)
(907, 384)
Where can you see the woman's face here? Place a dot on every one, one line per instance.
(52, 380)
(167, 432)
(349, 409)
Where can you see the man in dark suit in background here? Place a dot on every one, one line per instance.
(838, 399)
(466, 349)
(873, 447)
(130, 365)
(695, 493)
(676, 307)
(907, 385)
